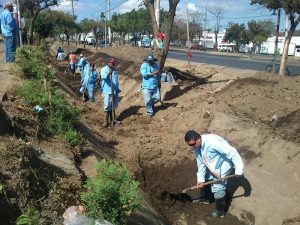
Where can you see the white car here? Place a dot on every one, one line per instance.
(90, 40)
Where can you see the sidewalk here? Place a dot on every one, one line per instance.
(6, 79)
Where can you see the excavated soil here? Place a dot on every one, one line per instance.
(258, 113)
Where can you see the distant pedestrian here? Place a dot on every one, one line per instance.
(9, 29)
(110, 90)
(80, 64)
(217, 158)
(150, 75)
(60, 54)
(72, 58)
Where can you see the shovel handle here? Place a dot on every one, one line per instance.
(210, 182)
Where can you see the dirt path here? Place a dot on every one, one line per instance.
(7, 78)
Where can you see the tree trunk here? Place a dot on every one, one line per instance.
(31, 31)
(162, 55)
(287, 41)
(169, 26)
(216, 41)
(285, 52)
(33, 17)
(84, 36)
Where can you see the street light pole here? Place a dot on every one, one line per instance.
(188, 32)
(73, 8)
(105, 28)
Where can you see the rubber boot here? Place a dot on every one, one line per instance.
(219, 211)
(106, 117)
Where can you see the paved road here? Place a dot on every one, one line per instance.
(232, 61)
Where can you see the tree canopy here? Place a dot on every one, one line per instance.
(31, 9)
(292, 9)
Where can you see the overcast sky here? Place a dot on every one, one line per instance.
(237, 11)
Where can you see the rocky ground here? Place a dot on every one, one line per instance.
(256, 112)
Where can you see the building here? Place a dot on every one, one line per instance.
(268, 46)
(208, 40)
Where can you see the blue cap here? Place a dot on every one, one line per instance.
(111, 60)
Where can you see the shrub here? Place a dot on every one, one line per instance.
(60, 116)
(32, 93)
(111, 194)
(30, 217)
(32, 61)
(73, 137)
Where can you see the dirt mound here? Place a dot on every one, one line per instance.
(134, 54)
(266, 99)
(294, 221)
(29, 181)
(289, 126)
(128, 68)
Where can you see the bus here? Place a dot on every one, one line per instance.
(226, 47)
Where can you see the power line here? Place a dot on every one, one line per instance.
(115, 5)
(244, 17)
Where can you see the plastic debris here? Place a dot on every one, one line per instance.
(75, 215)
(38, 109)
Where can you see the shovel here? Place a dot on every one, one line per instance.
(210, 182)
(112, 104)
(114, 123)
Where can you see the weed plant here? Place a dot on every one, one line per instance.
(111, 194)
(30, 217)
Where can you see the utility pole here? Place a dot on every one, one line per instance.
(105, 31)
(276, 41)
(188, 33)
(19, 21)
(109, 30)
(157, 13)
(72, 1)
(205, 26)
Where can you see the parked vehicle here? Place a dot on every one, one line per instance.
(226, 47)
(90, 40)
(198, 47)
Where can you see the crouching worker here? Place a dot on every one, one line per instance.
(216, 156)
(150, 73)
(60, 55)
(110, 90)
